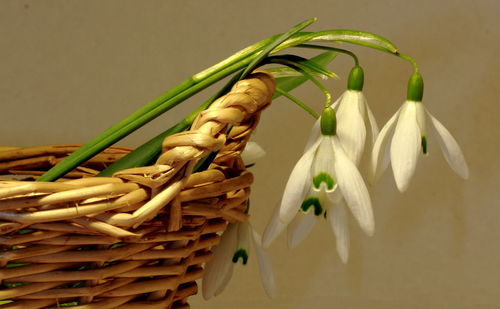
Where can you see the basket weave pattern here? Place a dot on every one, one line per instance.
(134, 240)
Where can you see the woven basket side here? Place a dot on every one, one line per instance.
(138, 239)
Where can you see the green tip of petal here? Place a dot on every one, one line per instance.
(424, 145)
(312, 202)
(415, 88)
(328, 122)
(356, 79)
(240, 253)
(323, 177)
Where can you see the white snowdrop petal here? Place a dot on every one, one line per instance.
(266, 271)
(335, 105)
(381, 149)
(405, 146)
(274, 228)
(351, 128)
(218, 269)
(420, 113)
(451, 150)
(225, 279)
(300, 228)
(314, 135)
(372, 124)
(297, 185)
(252, 153)
(243, 236)
(332, 196)
(323, 160)
(354, 190)
(337, 218)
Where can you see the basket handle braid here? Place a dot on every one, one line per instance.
(181, 151)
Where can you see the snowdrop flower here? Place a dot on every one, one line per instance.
(234, 245)
(356, 126)
(321, 183)
(404, 136)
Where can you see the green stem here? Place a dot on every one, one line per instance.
(339, 50)
(410, 60)
(149, 151)
(298, 102)
(348, 36)
(285, 36)
(199, 82)
(300, 68)
(133, 122)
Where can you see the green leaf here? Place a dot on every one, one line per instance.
(269, 48)
(288, 72)
(246, 58)
(149, 151)
(309, 66)
(336, 49)
(287, 84)
(349, 36)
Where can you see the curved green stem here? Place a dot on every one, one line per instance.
(298, 102)
(300, 68)
(410, 60)
(285, 36)
(339, 50)
(200, 81)
(362, 38)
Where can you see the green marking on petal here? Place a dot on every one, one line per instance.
(323, 177)
(241, 253)
(312, 202)
(424, 145)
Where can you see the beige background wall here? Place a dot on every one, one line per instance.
(69, 69)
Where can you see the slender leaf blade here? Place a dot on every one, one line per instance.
(289, 83)
(282, 38)
(303, 63)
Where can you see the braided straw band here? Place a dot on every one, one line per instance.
(136, 239)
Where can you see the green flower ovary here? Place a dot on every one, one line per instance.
(323, 177)
(312, 202)
(240, 253)
(356, 79)
(328, 122)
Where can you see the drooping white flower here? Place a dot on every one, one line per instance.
(405, 136)
(320, 181)
(234, 245)
(356, 126)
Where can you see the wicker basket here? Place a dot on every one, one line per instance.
(134, 240)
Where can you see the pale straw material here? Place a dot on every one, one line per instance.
(138, 239)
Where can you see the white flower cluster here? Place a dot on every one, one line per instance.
(326, 181)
